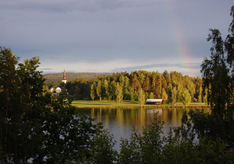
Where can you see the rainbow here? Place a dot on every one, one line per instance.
(180, 39)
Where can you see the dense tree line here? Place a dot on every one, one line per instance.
(171, 87)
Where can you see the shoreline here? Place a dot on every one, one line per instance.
(148, 107)
(129, 105)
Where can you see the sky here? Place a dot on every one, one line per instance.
(113, 35)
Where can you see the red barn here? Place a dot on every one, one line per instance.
(154, 101)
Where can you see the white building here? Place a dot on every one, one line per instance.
(58, 90)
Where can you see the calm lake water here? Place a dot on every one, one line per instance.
(121, 121)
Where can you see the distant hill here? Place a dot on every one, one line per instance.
(56, 77)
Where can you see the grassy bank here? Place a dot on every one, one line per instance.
(129, 104)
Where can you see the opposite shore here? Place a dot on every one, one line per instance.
(129, 104)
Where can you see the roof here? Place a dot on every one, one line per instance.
(154, 100)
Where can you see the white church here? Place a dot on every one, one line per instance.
(58, 89)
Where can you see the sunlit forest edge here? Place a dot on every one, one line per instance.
(130, 104)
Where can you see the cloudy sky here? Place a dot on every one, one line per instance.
(113, 35)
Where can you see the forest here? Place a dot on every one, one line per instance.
(171, 87)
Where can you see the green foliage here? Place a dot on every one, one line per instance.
(34, 124)
(141, 97)
(151, 96)
(200, 95)
(151, 147)
(92, 92)
(80, 88)
(119, 93)
(102, 150)
(112, 89)
(99, 90)
(107, 88)
(145, 148)
(133, 97)
(205, 96)
(218, 91)
(164, 94)
(64, 92)
(218, 80)
(173, 96)
(67, 136)
(185, 97)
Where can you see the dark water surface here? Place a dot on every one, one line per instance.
(120, 121)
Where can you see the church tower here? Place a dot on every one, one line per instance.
(64, 80)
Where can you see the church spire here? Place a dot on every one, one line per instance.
(64, 80)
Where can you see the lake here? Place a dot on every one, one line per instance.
(121, 121)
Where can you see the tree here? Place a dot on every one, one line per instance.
(133, 96)
(189, 84)
(141, 78)
(146, 85)
(21, 88)
(205, 96)
(35, 125)
(185, 97)
(151, 96)
(106, 87)
(64, 92)
(169, 92)
(119, 93)
(200, 95)
(113, 89)
(99, 90)
(151, 147)
(173, 96)
(92, 92)
(127, 89)
(218, 77)
(126, 85)
(122, 82)
(164, 94)
(102, 151)
(141, 97)
(158, 85)
(179, 91)
(145, 147)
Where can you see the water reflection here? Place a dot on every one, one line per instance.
(120, 121)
